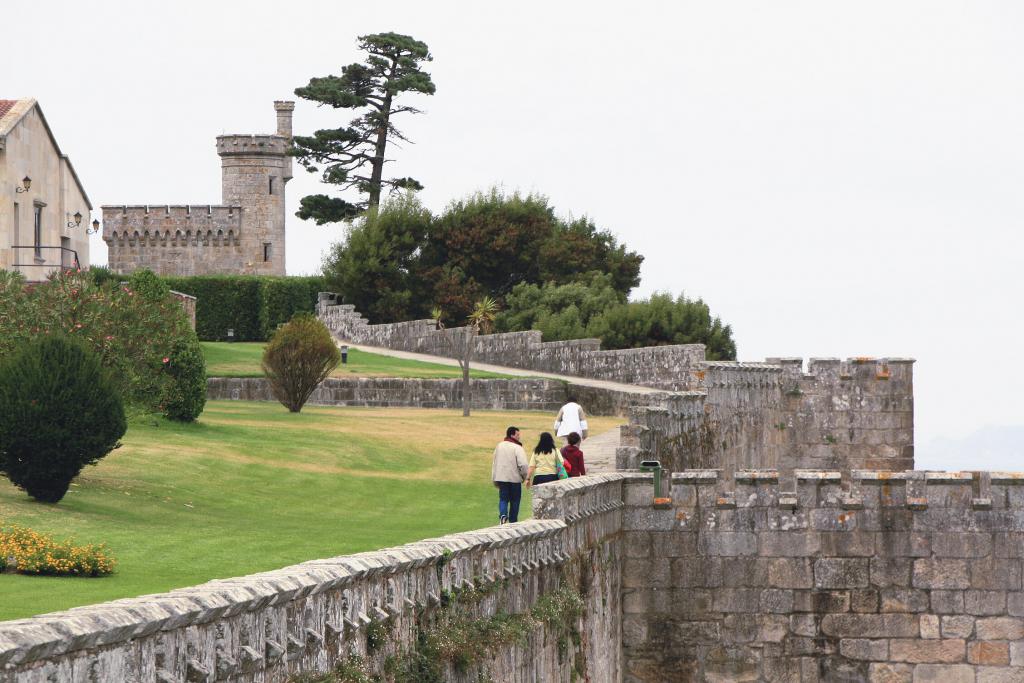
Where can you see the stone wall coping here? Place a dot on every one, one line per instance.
(697, 476)
(574, 486)
(818, 475)
(1007, 477)
(47, 635)
(743, 365)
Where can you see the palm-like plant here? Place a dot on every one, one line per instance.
(480, 321)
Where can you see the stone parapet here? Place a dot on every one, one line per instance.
(488, 394)
(250, 145)
(824, 575)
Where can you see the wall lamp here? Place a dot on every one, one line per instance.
(78, 220)
(27, 182)
(94, 229)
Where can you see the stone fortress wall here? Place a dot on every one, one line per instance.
(862, 576)
(867, 576)
(244, 235)
(849, 414)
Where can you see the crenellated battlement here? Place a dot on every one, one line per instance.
(914, 490)
(249, 145)
(172, 225)
(835, 369)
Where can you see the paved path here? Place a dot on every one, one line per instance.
(520, 372)
(599, 451)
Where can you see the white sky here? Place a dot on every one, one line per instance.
(834, 179)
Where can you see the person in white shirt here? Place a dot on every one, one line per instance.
(571, 418)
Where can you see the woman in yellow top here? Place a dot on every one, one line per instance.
(544, 461)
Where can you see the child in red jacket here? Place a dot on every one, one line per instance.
(573, 456)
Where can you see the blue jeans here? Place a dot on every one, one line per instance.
(509, 495)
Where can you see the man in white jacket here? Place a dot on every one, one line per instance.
(508, 470)
(571, 418)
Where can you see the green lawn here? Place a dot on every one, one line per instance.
(251, 487)
(242, 359)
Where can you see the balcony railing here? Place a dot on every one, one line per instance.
(68, 259)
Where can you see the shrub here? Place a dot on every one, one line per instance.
(184, 396)
(662, 320)
(59, 411)
(147, 285)
(299, 356)
(282, 297)
(223, 302)
(132, 332)
(251, 305)
(36, 553)
(101, 275)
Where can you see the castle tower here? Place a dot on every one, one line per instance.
(254, 170)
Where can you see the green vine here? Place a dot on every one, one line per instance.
(377, 633)
(456, 638)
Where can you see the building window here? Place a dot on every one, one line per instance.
(37, 231)
(17, 226)
(271, 184)
(266, 252)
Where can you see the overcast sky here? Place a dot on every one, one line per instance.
(833, 179)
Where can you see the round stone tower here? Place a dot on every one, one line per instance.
(255, 169)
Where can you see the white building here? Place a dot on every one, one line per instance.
(44, 211)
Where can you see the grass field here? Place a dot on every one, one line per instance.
(242, 359)
(251, 487)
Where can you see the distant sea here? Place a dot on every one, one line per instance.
(989, 448)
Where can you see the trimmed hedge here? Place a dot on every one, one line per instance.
(252, 305)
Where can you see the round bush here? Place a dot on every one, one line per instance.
(184, 396)
(59, 411)
(299, 356)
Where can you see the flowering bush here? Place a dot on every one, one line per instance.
(131, 331)
(30, 552)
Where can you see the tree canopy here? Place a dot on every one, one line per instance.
(400, 261)
(596, 309)
(353, 156)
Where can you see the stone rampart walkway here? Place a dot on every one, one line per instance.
(518, 372)
(599, 452)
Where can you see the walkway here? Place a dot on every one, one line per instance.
(599, 451)
(518, 372)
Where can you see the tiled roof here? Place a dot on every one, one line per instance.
(6, 105)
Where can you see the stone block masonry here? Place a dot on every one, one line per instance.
(864, 576)
(842, 415)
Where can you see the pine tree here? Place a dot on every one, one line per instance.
(353, 156)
